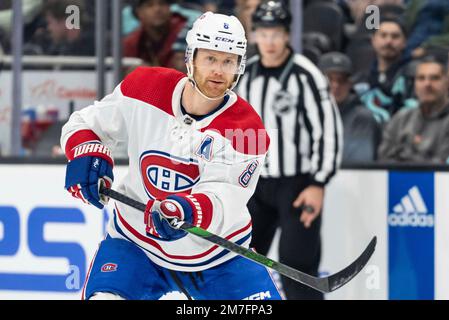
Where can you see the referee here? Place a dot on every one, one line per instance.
(292, 97)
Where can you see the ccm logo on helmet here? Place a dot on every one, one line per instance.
(224, 39)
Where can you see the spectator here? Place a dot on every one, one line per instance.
(428, 25)
(421, 134)
(159, 28)
(388, 87)
(57, 38)
(30, 11)
(361, 132)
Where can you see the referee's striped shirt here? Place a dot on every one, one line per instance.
(300, 116)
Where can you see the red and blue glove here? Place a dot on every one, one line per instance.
(90, 163)
(159, 213)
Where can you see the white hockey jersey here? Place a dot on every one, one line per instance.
(214, 162)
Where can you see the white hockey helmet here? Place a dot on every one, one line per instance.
(218, 32)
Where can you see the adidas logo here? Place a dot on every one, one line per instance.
(411, 211)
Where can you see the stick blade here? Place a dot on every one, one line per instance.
(344, 276)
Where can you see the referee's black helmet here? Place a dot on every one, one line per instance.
(272, 14)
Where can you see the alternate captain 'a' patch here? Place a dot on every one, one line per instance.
(205, 149)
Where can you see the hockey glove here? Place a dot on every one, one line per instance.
(159, 213)
(91, 164)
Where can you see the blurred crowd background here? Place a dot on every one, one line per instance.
(375, 74)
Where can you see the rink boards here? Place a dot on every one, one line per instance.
(47, 239)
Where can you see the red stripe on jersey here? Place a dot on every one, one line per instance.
(152, 85)
(78, 138)
(243, 127)
(158, 247)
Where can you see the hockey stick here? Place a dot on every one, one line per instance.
(325, 284)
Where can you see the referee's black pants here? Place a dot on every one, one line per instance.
(300, 248)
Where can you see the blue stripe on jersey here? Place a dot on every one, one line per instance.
(221, 254)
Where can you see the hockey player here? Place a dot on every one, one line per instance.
(195, 152)
(292, 96)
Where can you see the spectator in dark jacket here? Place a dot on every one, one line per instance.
(361, 132)
(389, 88)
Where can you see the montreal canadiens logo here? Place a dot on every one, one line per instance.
(164, 174)
(109, 267)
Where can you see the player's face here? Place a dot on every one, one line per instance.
(431, 83)
(214, 71)
(272, 42)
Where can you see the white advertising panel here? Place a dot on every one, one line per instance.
(354, 211)
(48, 238)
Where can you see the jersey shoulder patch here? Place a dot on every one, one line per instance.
(152, 85)
(241, 125)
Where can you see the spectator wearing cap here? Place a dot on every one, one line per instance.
(421, 135)
(361, 132)
(388, 87)
(154, 39)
